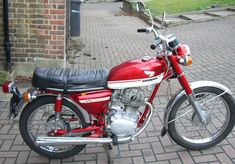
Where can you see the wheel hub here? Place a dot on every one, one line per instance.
(50, 125)
(207, 118)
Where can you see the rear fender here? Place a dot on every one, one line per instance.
(181, 93)
(85, 114)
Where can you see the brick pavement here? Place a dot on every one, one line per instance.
(111, 39)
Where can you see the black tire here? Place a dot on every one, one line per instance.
(23, 122)
(183, 137)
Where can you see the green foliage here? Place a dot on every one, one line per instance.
(179, 6)
(3, 76)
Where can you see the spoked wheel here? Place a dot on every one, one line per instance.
(185, 127)
(38, 119)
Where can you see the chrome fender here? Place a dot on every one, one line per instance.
(180, 93)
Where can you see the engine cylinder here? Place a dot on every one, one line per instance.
(124, 113)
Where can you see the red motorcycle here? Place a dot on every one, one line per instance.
(69, 108)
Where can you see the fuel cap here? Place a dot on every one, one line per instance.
(146, 58)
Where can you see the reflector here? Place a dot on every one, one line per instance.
(6, 87)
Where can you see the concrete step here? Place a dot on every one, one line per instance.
(231, 9)
(225, 13)
(198, 17)
(173, 21)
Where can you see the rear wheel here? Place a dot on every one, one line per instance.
(38, 119)
(185, 127)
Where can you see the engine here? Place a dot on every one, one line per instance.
(124, 114)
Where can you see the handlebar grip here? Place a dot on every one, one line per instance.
(141, 30)
(156, 43)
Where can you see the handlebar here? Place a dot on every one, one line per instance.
(142, 30)
(156, 43)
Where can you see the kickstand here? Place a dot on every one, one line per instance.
(108, 147)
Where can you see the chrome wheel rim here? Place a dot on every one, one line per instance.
(38, 122)
(188, 125)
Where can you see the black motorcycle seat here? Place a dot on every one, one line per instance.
(68, 80)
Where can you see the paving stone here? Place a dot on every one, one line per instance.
(157, 147)
(95, 150)
(9, 161)
(122, 160)
(186, 157)
(223, 158)
(84, 157)
(166, 156)
(22, 157)
(20, 148)
(131, 153)
(90, 162)
(38, 160)
(140, 146)
(2, 160)
(205, 158)
(138, 160)
(148, 154)
(8, 154)
(229, 150)
(123, 147)
(176, 161)
(6, 145)
(68, 159)
(5, 129)
(148, 139)
(102, 158)
(18, 140)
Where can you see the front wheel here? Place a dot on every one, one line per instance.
(185, 127)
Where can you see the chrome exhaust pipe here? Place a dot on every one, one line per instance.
(56, 141)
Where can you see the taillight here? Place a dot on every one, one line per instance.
(6, 87)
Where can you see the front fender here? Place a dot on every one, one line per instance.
(180, 93)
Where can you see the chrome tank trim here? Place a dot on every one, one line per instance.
(55, 141)
(135, 82)
(180, 93)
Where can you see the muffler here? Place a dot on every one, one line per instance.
(58, 141)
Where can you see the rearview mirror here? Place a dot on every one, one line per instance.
(140, 7)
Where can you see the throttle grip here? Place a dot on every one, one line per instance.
(141, 30)
(155, 43)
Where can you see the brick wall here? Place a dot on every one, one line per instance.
(37, 31)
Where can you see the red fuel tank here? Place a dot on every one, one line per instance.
(136, 73)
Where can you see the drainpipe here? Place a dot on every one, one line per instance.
(7, 43)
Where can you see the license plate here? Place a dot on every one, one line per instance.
(15, 105)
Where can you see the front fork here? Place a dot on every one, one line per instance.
(203, 115)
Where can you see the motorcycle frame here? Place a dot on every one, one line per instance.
(97, 127)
